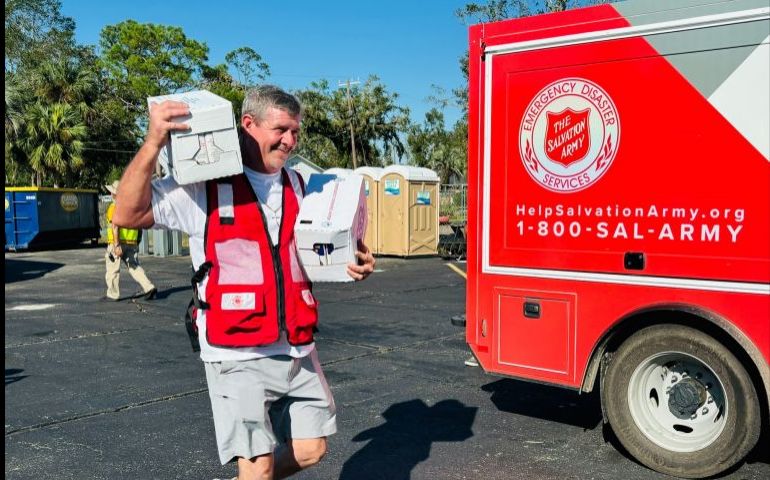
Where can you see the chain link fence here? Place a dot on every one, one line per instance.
(453, 205)
(453, 215)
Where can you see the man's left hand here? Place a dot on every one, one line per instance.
(365, 264)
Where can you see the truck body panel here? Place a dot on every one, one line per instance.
(618, 164)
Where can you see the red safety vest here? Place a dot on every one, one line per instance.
(255, 289)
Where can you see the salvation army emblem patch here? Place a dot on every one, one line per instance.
(569, 135)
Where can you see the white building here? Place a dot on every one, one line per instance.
(303, 166)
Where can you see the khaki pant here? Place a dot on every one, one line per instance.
(131, 259)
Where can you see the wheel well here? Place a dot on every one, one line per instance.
(714, 326)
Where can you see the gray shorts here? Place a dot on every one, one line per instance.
(262, 402)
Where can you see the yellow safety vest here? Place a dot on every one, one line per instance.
(129, 236)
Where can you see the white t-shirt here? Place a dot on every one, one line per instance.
(183, 208)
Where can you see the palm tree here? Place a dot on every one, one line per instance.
(67, 81)
(53, 141)
(47, 113)
(13, 109)
(16, 100)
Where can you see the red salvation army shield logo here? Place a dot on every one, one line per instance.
(569, 135)
(566, 137)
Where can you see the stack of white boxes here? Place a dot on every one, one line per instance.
(210, 149)
(331, 223)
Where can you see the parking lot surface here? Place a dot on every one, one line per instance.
(112, 390)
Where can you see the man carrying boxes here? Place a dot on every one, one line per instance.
(256, 313)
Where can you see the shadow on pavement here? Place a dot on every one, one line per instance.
(405, 439)
(761, 453)
(546, 402)
(139, 296)
(169, 291)
(18, 270)
(12, 375)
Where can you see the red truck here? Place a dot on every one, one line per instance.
(619, 218)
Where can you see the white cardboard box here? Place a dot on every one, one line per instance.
(331, 222)
(210, 149)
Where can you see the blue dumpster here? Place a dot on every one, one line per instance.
(36, 216)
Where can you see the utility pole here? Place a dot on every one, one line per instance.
(350, 114)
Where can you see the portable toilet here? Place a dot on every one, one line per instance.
(408, 211)
(340, 172)
(371, 187)
(36, 216)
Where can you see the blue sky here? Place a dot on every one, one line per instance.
(410, 44)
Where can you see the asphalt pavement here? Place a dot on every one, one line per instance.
(112, 390)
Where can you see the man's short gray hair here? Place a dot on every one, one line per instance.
(260, 98)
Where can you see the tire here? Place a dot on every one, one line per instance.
(680, 402)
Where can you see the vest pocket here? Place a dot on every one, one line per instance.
(298, 273)
(240, 262)
(237, 308)
(306, 309)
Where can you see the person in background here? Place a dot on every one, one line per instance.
(256, 315)
(122, 246)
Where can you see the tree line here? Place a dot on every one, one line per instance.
(75, 117)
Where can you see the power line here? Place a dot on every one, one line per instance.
(108, 150)
(319, 76)
(110, 141)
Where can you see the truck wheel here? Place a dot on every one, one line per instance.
(680, 402)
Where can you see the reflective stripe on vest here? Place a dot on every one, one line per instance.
(254, 290)
(126, 235)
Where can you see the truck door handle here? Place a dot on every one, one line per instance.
(531, 309)
(633, 261)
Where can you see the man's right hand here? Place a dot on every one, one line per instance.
(161, 115)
